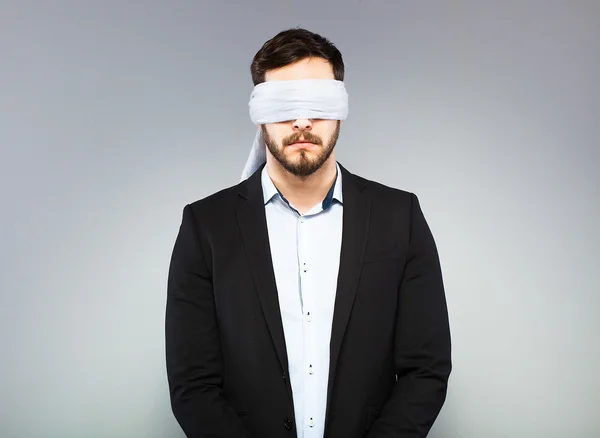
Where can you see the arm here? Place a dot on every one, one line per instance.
(422, 341)
(193, 353)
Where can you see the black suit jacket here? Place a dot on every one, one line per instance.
(225, 348)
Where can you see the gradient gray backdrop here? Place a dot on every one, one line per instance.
(115, 114)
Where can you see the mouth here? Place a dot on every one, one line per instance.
(302, 144)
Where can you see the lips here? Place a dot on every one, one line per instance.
(303, 143)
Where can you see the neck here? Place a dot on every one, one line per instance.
(303, 191)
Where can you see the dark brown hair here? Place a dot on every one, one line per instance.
(293, 45)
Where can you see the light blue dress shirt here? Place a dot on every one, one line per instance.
(306, 254)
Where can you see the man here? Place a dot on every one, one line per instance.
(305, 301)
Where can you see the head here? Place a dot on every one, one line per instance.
(300, 146)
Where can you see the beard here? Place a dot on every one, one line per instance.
(302, 165)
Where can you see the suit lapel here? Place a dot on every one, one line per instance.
(354, 239)
(253, 227)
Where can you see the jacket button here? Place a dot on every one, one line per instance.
(288, 424)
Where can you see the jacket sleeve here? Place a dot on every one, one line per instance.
(193, 353)
(422, 347)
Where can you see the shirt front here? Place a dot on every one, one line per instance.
(305, 250)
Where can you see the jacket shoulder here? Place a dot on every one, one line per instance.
(384, 192)
(220, 198)
(213, 207)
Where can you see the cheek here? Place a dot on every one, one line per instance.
(326, 129)
(277, 132)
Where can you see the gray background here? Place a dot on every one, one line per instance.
(113, 115)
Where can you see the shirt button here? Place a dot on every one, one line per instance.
(310, 370)
(301, 219)
(311, 423)
(308, 318)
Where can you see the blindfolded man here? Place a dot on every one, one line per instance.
(305, 301)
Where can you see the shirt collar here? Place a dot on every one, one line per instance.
(334, 193)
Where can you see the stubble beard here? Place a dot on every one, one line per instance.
(302, 165)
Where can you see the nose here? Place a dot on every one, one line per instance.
(302, 125)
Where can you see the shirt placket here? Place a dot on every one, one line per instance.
(308, 325)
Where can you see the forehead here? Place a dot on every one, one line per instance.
(309, 68)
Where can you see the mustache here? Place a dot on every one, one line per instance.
(304, 136)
